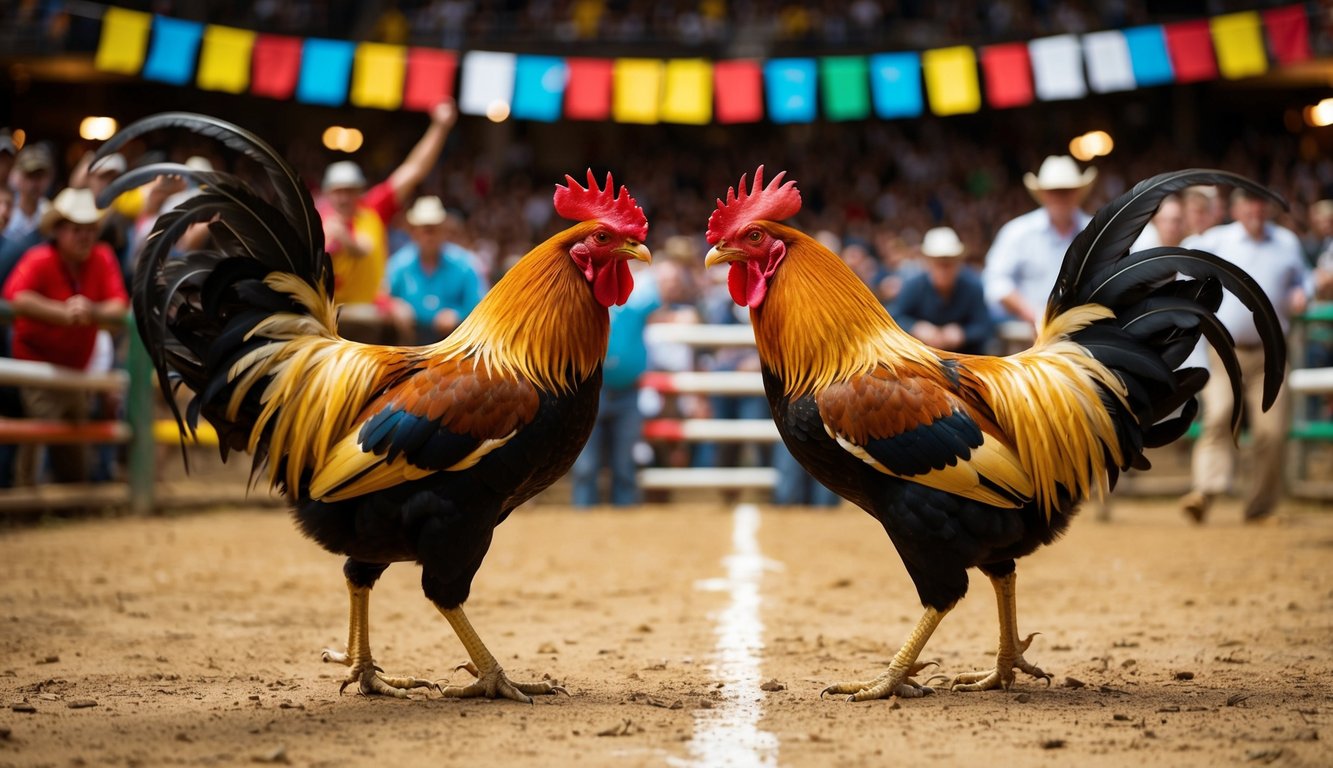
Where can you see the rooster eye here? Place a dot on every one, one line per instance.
(755, 236)
(602, 238)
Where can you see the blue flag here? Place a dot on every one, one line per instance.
(895, 84)
(1148, 56)
(539, 88)
(326, 70)
(790, 87)
(173, 50)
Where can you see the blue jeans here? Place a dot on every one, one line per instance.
(619, 427)
(795, 486)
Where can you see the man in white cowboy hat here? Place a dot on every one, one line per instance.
(356, 218)
(61, 290)
(1025, 257)
(433, 282)
(945, 306)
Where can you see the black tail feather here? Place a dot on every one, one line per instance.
(1159, 316)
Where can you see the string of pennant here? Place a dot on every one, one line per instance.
(697, 91)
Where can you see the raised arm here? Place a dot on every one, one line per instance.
(421, 159)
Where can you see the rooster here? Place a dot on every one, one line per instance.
(974, 461)
(387, 454)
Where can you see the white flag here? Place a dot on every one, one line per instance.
(487, 79)
(1109, 66)
(1057, 68)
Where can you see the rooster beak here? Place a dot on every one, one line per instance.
(636, 251)
(721, 254)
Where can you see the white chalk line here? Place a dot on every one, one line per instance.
(729, 733)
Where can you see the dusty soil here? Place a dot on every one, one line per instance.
(195, 640)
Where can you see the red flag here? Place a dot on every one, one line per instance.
(739, 89)
(1190, 45)
(276, 62)
(1288, 33)
(588, 94)
(1008, 75)
(429, 79)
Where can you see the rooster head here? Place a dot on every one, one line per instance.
(739, 237)
(603, 253)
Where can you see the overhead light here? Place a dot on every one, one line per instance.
(19, 137)
(97, 128)
(1091, 145)
(497, 111)
(1321, 114)
(340, 139)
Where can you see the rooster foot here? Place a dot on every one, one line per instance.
(1003, 675)
(493, 684)
(370, 679)
(895, 682)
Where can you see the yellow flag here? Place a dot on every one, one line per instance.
(637, 90)
(224, 59)
(951, 80)
(124, 41)
(1238, 38)
(377, 76)
(687, 96)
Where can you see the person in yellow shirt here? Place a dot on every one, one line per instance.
(356, 217)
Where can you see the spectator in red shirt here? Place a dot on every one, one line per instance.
(356, 219)
(61, 290)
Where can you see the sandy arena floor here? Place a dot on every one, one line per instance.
(195, 640)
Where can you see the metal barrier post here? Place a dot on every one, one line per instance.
(140, 412)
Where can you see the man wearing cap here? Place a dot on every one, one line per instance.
(1025, 258)
(356, 218)
(7, 156)
(60, 291)
(945, 306)
(432, 281)
(33, 169)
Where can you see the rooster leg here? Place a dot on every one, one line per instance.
(897, 679)
(1009, 656)
(491, 681)
(370, 679)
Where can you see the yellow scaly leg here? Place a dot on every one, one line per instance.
(1009, 654)
(491, 682)
(370, 678)
(897, 680)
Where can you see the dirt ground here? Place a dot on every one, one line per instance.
(195, 640)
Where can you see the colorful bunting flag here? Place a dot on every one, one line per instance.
(739, 85)
(539, 88)
(588, 95)
(687, 92)
(124, 41)
(1190, 45)
(1007, 70)
(224, 59)
(637, 91)
(1288, 33)
(844, 81)
(172, 53)
(895, 84)
(1240, 45)
(1148, 55)
(790, 87)
(1057, 68)
(377, 75)
(1106, 55)
(277, 66)
(951, 80)
(430, 78)
(326, 67)
(488, 82)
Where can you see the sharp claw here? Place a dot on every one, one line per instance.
(343, 687)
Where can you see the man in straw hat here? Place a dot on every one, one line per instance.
(61, 290)
(945, 305)
(432, 281)
(1025, 258)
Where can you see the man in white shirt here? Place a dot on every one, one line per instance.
(1273, 256)
(1025, 258)
(33, 170)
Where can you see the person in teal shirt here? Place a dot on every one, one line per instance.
(619, 421)
(433, 282)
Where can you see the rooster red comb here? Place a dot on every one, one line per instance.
(775, 202)
(617, 211)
